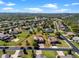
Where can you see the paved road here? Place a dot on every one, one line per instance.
(74, 48)
(60, 53)
(18, 48)
(63, 37)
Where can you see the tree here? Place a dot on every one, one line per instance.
(69, 52)
(27, 43)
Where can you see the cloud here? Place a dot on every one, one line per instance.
(50, 6)
(72, 4)
(75, 4)
(34, 10)
(66, 5)
(8, 8)
(10, 4)
(1, 2)
(61, 10)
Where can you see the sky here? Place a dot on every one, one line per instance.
(40, 6)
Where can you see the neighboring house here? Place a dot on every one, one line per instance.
(53, 40)
(39, 39)
(14, 31)
(70, 33)
(48, 30)
(62, 27)
(75, 39)
(4, 37)
(68, 56)
(5, 56)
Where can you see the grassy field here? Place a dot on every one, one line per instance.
(3, 43)
(1, 53)
(21, 37)
(63, 44)
(10, 52)
(76, 44)
(28, 55)
(76, 56)
(65, 52)
(49, 54)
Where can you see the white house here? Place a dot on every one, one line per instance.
(76, 39)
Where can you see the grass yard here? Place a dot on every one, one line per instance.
(1, 53)
(76, 44)
(63, 44)
(76, 56)
(3, 43)
(21, 38)
(10, 52)
(65, 52)
(29, 55)
(49, 54)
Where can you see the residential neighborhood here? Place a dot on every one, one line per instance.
(37, 37)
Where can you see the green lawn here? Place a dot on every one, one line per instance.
(21, 36)
(3, 43)
(29, 55)
(49, 54)
(63, 44)
(65, 52)
(1, 53)
(76, 44)
(76, 56)
(7, 51)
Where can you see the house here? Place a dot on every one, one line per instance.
(52, 40)
(70, 33)
(48, 30)
(75, 39)
(5, 56)
(14, 31)
(39, 39)
(4, 37)
(68, 56)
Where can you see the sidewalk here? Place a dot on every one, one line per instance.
(17, 53)
(60, 53)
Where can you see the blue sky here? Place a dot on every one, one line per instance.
(40, 6)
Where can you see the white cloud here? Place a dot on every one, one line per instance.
(75, 3)
(10, 4)
(72, 4)
(8, 8)
(61, 10)
(66, 5)
(50, 6)
(34, 10)
(1, 2)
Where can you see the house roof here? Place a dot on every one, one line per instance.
(53, 38)
(38, 38)
(48, 30)
(70, 33)
(5, 56)
(68, 56)
(2, 35)
(75, 38)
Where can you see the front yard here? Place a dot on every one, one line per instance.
(49, 54)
